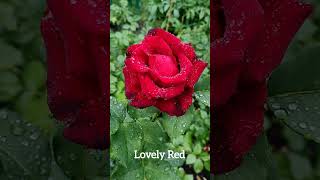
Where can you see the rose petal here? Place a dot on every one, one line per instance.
(244, 21)
(225, 84)
(90, 126)
(89, 16)
(156, 45)
(136, 65)
(149, 88)
(198, 67)
(164, 65)
(236, 127)
(181, 77)
(217, 20)
(185, 100)
(282, 20)
(141, 101)
(189, 51)
(169, 38)
(169, 106)
(132, 83)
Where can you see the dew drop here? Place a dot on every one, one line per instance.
(293, 107)
(302, 125)
(280, 114)
(34, 136)
(72, 156)
(275, 106)
(3, 115)
(3, 139)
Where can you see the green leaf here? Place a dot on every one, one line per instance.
(191, 158)
(125, 141)
(10, 56)
(57, 173)
(7, 17)
(154, 138)
(257, 164)
(300, 166)
(34, 109)
(147, 170)
(297, 75)
(188, 177)
(149, 113)
(77, 161)
(203, 97)
(203, 83)
(197, 149)
(34, 75)
(295, 89)
(117, 114)
(143, 136)
(10, 86)
(117, 110)
(300, 112)
(24, 149)
(176, 126)
(198, 166)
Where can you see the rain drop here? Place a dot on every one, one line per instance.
(275, 106)
(280, 114)
(17, 130)
(293, 107)
(72, 156)
(302, 125)
(3, 139)
(34, 136)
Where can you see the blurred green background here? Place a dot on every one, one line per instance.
(148, 129)
(31, 145)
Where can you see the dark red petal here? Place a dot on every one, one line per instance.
(62, 100)
(169, 106)
(282, 21)
(225, 84)
(89, 16)
(198, 67)
(136, 65)
(132, 83)
(156, 45)
(150, 89)
(169, 38)
(189, 51)
(177, 106)
(90, 126)
(244, 19)
(164, 65)
(181, 77)
(236, 127)
(141, 101)
(185, 99)
(217, 20)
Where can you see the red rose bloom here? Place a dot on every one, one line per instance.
(161, 71)
(249, 39)
(76, 39)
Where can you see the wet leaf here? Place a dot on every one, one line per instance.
(24, 149)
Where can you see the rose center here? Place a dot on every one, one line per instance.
(164, 65)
